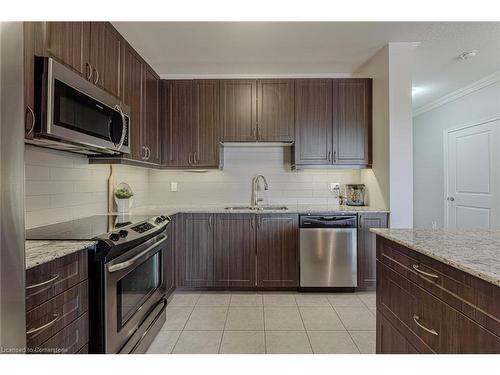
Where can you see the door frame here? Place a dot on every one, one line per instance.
(446, 132)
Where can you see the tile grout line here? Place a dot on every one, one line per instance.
(184, 326)
(225, 322)
(303, 324)
(349, 333)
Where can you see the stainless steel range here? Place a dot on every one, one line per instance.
(127, 277)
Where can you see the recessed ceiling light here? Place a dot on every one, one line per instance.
(467, 55)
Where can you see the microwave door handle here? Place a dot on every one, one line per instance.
(124, 127)
(125, 264)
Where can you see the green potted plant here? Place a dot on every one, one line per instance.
(122, 198)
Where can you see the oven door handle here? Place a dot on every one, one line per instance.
(119, 266)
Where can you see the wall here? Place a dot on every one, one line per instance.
(233, 184)
(61, 186)
(428, 148)
(390, 181)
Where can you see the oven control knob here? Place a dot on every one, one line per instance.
(123, 233)
(114, 236)
(158, 220)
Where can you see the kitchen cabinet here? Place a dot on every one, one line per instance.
(313, 122)
(275, 109)
(427, 306)
(367, 247)
(277, 251)
(104, 56)
(352, 121)
(150, 131)
(190, 115)
(238, 110)
(132, 97)
(68, 43)
(234, 250)
(194, 250)
(57, 305)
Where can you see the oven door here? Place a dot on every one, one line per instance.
(135, 286)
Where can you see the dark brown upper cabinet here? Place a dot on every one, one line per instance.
(238, 110)
(104, 56)
(234, 250)
(190, 117)
(150, 131)
(367, 249)
(277, 251)
(67, 42)
(275, 109)
(352, 121)
(313, 122)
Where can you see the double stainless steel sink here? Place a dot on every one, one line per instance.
(258, 208)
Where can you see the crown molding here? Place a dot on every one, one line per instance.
(454, 95)
(264, 76)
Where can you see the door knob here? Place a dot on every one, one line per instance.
(451, 199)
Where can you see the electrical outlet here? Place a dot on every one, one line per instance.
(434, 224)
(173, 186)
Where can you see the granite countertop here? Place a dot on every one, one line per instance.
(39, 252)
(294, 209)
(475, 251)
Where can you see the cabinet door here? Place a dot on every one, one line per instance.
(204, 131)
(132, 96)
(277, 251)
(68, 42)
(177, 114)
(367, 250)
(313, 121)
(234, 250)
(33, 45)
(275, 110)
(238, 110)
(151, 129)
(194, 245)
(352, 125)
(105, 45)
(390, 340)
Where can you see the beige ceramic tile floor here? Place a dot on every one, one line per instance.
(273, 323)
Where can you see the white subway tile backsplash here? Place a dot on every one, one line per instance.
(61, 186)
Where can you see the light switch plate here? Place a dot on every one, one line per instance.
(173, 186)
(334, 186)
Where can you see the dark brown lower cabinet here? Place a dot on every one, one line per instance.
(169, 263)
(234, 250)
(194, 250)
(427, 306)
(367, 247)
(57, 304)
(277, 251)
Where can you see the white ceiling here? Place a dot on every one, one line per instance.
(301, 48)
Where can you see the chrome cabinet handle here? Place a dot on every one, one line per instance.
(34, 330)
(189, 158)
(143, 153)
(195, 158)
(334, 156)
(54, 278)
(119, 266)
(96, 79)
(415, 267)
(148, 153)
(329, 156)
(30, 111)
(88, 67)
(210, 221)
(416, 319)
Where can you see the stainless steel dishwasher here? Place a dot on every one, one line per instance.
(328, 251)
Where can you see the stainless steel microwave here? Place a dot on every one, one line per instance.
(75, 115)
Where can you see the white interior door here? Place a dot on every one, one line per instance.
(472, 173)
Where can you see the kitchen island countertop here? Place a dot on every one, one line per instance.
(475, 251)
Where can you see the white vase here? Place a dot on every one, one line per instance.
(123, 205)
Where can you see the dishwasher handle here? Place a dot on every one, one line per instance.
(328, 221)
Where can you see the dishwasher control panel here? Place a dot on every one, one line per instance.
(328, 221)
